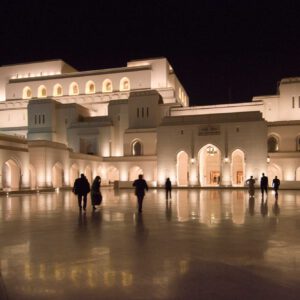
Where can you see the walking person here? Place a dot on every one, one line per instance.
(264, 184)
(168, 188)
(140, 186)
(81, 188)
(96, 196)
(251, 183)
(276, 184)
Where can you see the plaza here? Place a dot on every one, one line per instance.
(202, 244)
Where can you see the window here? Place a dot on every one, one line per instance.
(136, 148)
(43, 119)
(74, 89)
(293, 102)
(107, 86)
(147, 112)
(272, 144)
(27, 94)
(42, 92)
(142, 112)
(90, 87)
(298, 143)
(138, 112)
(35, 119)
(124, 84)
(57, 90)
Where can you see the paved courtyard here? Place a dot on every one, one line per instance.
(203, 244)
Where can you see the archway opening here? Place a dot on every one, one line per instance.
(74, 174)
(57, 175)
(238, 167)
(182, 168)
(11, 175)
(113, 175)
(134, 173)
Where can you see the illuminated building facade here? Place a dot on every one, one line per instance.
(57, 122)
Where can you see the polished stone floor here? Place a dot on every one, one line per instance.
(203, 244)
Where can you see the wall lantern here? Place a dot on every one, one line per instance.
(268, 159)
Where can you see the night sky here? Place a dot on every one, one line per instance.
(221, 51)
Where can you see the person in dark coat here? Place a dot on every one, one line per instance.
(81, 188)
(140, 187)
(96, 196)
(168, 188)
(264, 184)
(251, 185)
(276, 184)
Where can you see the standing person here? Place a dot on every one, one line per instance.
(276, 184)
(264, 184)
(168, 188)
(81, 188)
(140, 187)
(96, 196)
(251, 183)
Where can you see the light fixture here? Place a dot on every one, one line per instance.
(211, 151)
(268, 159)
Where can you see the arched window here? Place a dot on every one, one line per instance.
(272, 144)
(27, 93)
(42, 92)
(107, 86)
(298, 143)
(57, 90)
(136, 148)
(124, 84)
(90, 87)
(74, 89)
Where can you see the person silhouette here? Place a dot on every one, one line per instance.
(168, 188)
(140, 186)
(251, 183)
(81, 188)
(96, 196)
(264, 184)
(276, 184)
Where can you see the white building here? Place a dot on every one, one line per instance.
(57, 122)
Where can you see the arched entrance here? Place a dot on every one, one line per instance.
(74, 173)
(182, 168)
(210, 165)
(57, 175)
(11, 175)
(134, 173)
(238, 167)
(113, 174)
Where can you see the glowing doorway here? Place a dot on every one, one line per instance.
(11, 175)
(238, 167)
(57, 175)
(210, 165)
(134, 173)
(182, 168)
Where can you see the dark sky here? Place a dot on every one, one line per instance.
(222, 51)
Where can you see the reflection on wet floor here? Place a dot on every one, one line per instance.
(247, 246)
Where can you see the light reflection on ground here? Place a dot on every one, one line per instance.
(217, 244)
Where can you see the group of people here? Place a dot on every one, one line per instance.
(264, 184)
(82, 187)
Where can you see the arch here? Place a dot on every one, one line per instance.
(297, 174)
(134, 172)
(32, 177)
(74, 173)
(74, 89)
(90, 87)
(124, 84)
(27, 93)
(57, 90)
(11, 174)
(274, 170)
(237, 167)
(273, 143)
(136, 148)
(88, 174)
(57, 175)
(113, 174)
(107, 86)
(42, 91)
(182, 168)
(210, 165)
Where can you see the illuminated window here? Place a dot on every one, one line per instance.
(272, 144)
(42, 92)
(107, 86)
(136, 148)
(27, 94)
(124, 84)
(90, 87)
(74, 89)
(57, 90)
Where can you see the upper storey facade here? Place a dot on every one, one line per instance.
(56, 79)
